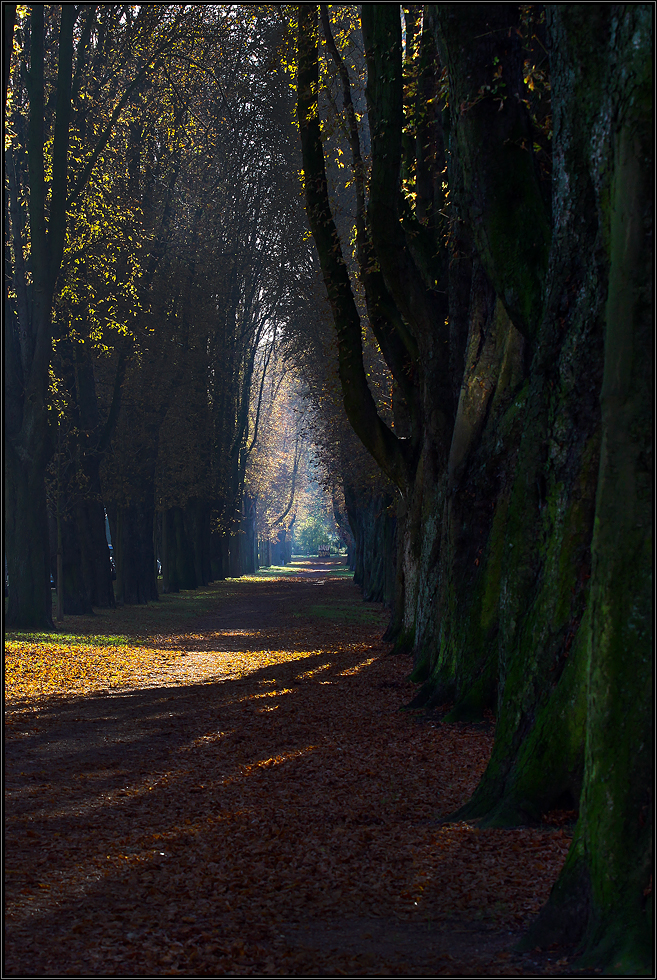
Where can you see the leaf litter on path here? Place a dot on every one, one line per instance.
(242, 795)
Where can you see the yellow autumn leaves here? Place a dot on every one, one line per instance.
(36, 669)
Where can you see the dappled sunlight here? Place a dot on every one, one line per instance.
(274, 694)
(276, 760)
(34, 671)
(311, 673)
(181, 638)
(358, 667)
(302, 570)
(37, 670)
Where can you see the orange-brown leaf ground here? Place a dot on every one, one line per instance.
(224, 784)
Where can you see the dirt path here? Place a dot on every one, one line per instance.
(255, 803)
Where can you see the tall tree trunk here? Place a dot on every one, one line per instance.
(604, 893)
(27, 542)
(519, 524)
(373, 526)
(28, 340)
(132, 535)
(8, 20)
(390, 453)
(197, 527)
(481, 47)
(513, 575)
(76, 597)
(184, 556)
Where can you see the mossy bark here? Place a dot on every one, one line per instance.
(604, 894)
(462, 614)
(532, 477)
(524, 549)
(481, 47)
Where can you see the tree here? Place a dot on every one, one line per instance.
(28, 325)
(50, 170)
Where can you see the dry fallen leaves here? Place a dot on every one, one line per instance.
(187, 802)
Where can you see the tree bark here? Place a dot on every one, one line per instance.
(27, 346)
(603, 896)
(134, 554)
(388, 451)
(482, 50)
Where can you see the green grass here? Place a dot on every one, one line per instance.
(340, 573)
(297, 567)
(272, 571)
(70, 639)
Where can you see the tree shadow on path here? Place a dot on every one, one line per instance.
(281, 821)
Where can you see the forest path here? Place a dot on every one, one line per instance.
(237, 792)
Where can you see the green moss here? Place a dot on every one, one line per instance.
(550, 760)
(538, 751)
(464, 659)
(479, 697)
(490, 601)
(511, 371)
(421, 662)
(405, 642)
(622, 952)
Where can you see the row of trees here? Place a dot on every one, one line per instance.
(501, 231)
(153, 251)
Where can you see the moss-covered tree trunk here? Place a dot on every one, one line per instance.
(604, 894)
(510, 585)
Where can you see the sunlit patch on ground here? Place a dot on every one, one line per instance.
(354, 670)
(37, 670)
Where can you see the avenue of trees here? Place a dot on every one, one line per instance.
(455, 339)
